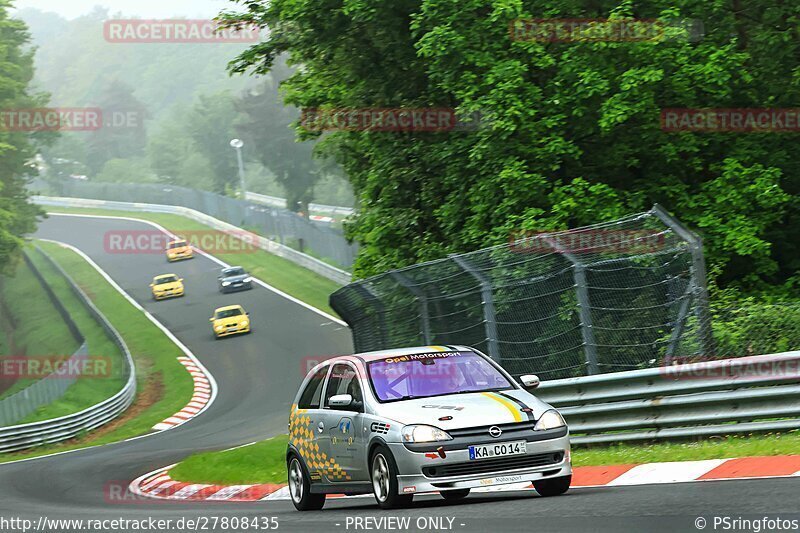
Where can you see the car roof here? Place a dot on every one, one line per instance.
(369, 357)
(228, 269)
(228, 308)
(165, 276)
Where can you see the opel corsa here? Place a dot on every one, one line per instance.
(443, 419)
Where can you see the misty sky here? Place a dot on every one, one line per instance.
(138, 8)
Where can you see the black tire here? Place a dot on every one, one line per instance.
(458, 494)
(553, 487)
(300, 487)
(383, 475)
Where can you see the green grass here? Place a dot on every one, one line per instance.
(263, 462)
(87, 391)
(164, 386)
(38, 329)
(278, 272)
(713, 448)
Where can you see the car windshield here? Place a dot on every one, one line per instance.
(177, 244)
(227, 313)
(233, 272)
(165, 280)
(434, 374)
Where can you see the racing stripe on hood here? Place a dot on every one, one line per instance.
(527, 410)
(512, 408)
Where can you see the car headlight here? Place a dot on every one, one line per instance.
(218, 328)
(551, 419)
(226, 283)
(245, 323)
(420, 433)
(248, 280)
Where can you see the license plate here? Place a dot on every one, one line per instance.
(234, 328)
(501, 449)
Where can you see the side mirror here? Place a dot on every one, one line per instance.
(152, 284)
(341, 401)
(211, 319)
(530, 381)
(181, 280)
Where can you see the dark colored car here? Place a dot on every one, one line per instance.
(234, 279)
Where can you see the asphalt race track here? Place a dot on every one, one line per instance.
(257, 377)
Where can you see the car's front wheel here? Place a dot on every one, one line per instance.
(300, 488)
(552, 487)
(384, 481)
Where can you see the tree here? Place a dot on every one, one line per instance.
(122, 134)
(268, 125)
(573, 133)
(17, 148)
(210, 126)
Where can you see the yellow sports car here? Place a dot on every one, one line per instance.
(231, 320)
(179, 250)
(167, 286)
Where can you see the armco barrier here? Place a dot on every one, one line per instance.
(24, 436)
(304, 260)
(743, 395)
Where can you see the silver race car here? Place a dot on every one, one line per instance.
(441, 419)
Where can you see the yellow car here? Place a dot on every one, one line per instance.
(231, 320)
(167, 286)
(179, 250)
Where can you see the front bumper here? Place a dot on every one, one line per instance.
(232, 288)
(179, 257)
(165, 296)
(239, 331)
(427, 472)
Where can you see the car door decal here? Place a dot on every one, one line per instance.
(302, 437)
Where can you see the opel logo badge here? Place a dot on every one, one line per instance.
(495, 431)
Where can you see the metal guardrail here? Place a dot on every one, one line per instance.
(276, 201)
(743, 395)
(304, 260)
(24, 436)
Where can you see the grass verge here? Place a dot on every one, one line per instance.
(164, 386)
(264, 462)
(37, 328)
(88, 390)
(278, 272)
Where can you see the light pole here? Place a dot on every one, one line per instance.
(237, 145)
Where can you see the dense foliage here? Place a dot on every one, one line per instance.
(17, 148)
(574, 133)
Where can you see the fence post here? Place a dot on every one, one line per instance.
(584, 306)
(489, 316)
(424, 316)
(699, 274)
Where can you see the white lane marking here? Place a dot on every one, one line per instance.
(188, 491)
(674, 472)
(216, 260)
(280, 494)
(227, 493)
